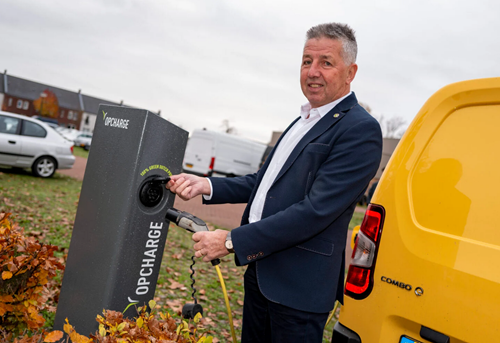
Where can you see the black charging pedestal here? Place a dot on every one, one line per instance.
(120, 229)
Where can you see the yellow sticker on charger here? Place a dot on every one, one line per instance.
(155, 167)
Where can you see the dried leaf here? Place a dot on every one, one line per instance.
(6, 275)
(53, 336)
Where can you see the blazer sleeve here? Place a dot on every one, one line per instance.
(338, 183)
(235, 190)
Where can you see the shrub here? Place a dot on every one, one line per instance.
(27, 282)
(146, 327)
(26, 267)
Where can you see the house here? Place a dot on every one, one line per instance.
(66, 108)
(90, 107)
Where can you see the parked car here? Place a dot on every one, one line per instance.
(53, 123)
(84, 140)
(211, 153)
(69, 134)
(426, 262)
(30, 143)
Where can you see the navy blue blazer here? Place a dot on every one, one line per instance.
(299, 244)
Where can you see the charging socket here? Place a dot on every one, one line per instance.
(151, 192)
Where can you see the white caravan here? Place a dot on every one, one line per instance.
(210, 153)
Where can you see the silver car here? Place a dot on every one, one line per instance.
(30, 143)
(84, 140)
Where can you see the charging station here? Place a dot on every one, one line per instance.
(120, 228)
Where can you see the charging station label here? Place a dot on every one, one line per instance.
(115, 122)
(154, 167)
(149, 259)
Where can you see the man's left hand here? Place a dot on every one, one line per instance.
(210, 244)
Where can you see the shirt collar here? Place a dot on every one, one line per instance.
(306, 109)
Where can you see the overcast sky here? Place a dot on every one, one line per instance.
(203, 61)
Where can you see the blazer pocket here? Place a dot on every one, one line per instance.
(318, 147)
(317, 246)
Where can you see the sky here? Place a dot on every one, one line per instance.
(205, 61)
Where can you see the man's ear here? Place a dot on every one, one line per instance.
(351, 73)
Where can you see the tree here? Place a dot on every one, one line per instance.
(392, 127)
(47, 105)
(227, 128)
(366, 107)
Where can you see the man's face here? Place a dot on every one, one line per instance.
(324, 77)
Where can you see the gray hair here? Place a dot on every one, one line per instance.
(338, 31)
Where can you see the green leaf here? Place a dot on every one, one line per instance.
(197, 318)
(102, 330)
(152, 304)
(126, 308)
(140, 322)
(121, 326)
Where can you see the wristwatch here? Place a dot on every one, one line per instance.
(229, 243)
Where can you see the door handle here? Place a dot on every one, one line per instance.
(12, 142)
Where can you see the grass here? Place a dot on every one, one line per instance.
(81, 152)
(46, 208)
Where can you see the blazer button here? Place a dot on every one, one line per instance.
(254, 256)
(249, 257)
(261, 253)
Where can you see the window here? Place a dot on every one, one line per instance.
(62, 113)
(19, 104)
(10, 102)
(33, 130)
(26, 105)
(72, 115)
(9, 124)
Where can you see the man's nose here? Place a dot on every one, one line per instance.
(314, 71)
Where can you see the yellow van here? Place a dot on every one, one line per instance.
(426, 265)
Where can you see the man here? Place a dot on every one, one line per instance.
(293, 231)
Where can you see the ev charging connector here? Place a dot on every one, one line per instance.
(194, 224)
(119, 234)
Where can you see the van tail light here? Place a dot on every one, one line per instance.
(71, 149)
(211, 167)
(359, 282)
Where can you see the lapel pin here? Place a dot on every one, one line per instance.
(336, 115)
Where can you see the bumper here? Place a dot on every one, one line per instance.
(342, 334)
(65, 162)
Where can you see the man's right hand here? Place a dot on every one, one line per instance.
(188, 186)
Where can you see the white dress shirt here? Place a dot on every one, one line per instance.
(308, 118)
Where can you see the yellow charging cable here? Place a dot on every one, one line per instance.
(228, 307)
(332, 313)
(337, 303)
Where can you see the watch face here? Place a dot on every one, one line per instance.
(229, 244)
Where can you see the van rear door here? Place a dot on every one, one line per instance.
(438, 264)
(198, 156)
